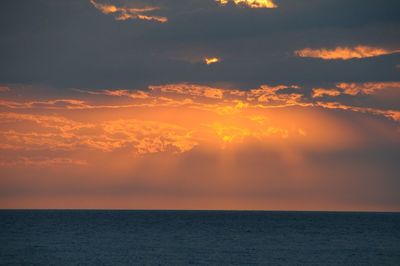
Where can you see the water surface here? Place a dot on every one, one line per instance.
(198, 238)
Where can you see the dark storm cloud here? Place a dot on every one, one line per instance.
(72, 44)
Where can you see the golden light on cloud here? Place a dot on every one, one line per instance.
(201, 115)
(344, 53)
(125, 13)
(251, 3)
(367, 88)
(196, 138)
(355, 89)
(41, 162)
(321, 92)
(211, 60)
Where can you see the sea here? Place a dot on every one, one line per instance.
(99, 237)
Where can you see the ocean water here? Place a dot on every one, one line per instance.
(198, 238)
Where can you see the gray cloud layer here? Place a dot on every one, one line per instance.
(72, 44)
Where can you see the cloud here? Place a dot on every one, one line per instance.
(211, 60)
(41, 162)
(149, 136)
(49, 104)
(192, 142)
(59, 133)
(390, 114)
(57, 122)
(159, 124)
(344, 53)
(354, 89)
(152, 126)
(211, 99)
(272, 95)
(367, 87)
(235, 134)
(4, 88)
(136, 94)
(250, 3)
(189, 90)
(125, 13)
(122, 55)
(174, 118)
(321, 92)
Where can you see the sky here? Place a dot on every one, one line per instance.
(200, 104)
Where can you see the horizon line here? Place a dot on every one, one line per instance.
(199, 210)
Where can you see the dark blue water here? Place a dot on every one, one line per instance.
(198, 238)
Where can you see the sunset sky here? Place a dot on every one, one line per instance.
(200, 104)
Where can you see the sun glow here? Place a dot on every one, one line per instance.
(179, 137)
(171, 118)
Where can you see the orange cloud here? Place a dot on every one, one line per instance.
(48, 121)
(125, 13)
(344, 53)
(272, 95)
(233, 133)
(59, 133)
(321, 92)
(41, 162)
(189, 90)
(172, 118)
(131, 94)
(149, 136)
(184, 141)
(354, 89)
(199, 119)
(211, 60)
(367, 88)
(49, 104)
(4, 88)
(200, 97)
(141, 136)
(250, 3)
(390, 114)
